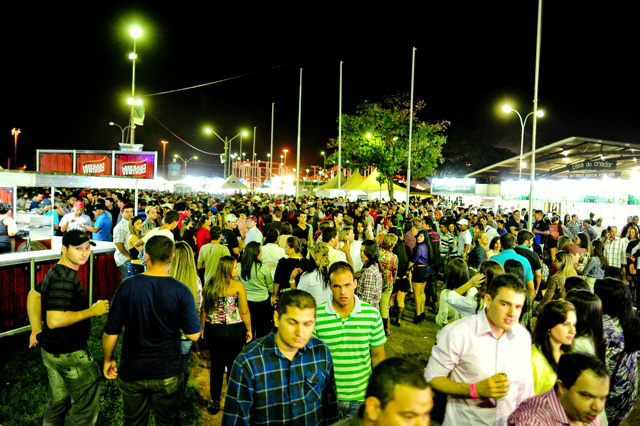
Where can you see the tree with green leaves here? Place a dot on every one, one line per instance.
(378, 135)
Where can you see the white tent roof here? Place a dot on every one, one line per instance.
(233, 183)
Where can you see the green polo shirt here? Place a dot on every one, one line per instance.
(350, 341)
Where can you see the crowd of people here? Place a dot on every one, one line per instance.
(296, 299)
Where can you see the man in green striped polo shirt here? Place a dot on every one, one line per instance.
(354, 333)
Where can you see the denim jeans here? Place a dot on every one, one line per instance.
(185, 352)
(74, 387)
(161, 395)
(124, 270)
(348, 409)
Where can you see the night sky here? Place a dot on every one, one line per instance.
(66, 71)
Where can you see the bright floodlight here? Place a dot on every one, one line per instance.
(245, 133)
(135, 31)
(506, 108)
(175, 156)
(208, 130)
(195, 157)
(368, 135)
(111, 123)
(321, 152)
(133, 56)
(540, 113)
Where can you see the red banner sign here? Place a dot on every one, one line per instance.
(90, 164)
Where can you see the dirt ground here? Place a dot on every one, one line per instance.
(410, 341)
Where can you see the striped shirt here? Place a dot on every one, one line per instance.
(543, 410)
(350, 341)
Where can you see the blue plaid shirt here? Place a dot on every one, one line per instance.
(266, 388)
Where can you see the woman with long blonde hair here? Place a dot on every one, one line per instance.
(555, 285)
(226, 322)
(183, 269)
(315, 280)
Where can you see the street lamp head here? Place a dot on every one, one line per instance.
(245, 133)
(268, 155)
(321, 152)
(175, 156)
(164, 142)
(195, 157)
(285, 150)
(369, 135)
(507, 109)
(111, 123)
(208, 130)
(133, 56)
(135, 31)
(540, 113)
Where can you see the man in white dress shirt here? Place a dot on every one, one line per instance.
(483, 362)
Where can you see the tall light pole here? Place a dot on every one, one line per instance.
(164, 150)
(523, 123)
(226, 142)
(122, 130)
(195, 157)
(135, 32)
(15, 132)
(285, 159)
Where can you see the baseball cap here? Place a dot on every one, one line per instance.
(573, 248)
(253, 218)
(231, 218)
(76, 237)
(78, 205)
(463, 222)
(213, 210)
(149, 208)
(167, 206)
(100, 206)
(45, 202)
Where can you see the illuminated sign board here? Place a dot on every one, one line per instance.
(453, 186)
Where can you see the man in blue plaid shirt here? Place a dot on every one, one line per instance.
(286, 377)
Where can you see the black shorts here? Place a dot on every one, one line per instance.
(420, 274)
(551, 243)
(402, 284)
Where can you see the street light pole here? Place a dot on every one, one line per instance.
(285, 159)
(15, 132)
(164, 150)
(523, 123)
(135, 32)
(195, 157)
(122, 130)
(227, 142)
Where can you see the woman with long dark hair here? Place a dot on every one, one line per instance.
(421, 271)
(135, 233)
(622, 340)
(227, 323)
(257, 281)
(289, 268)
(8, 228)
(494, 247)
(589, 328)
(553, 336)
(370, 284)
(459, 293)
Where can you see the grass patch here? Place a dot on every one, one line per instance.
(24, 383)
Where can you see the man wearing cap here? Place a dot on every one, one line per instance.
(76, 219)
(229, 237)
(120, 235)
(102, 226)
(253, 233)
(464, 243)
(150, 222)
(60, 299)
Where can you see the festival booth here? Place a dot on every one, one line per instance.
(375, 190)
(21, 270)
(574, 175)
(233, 184)
(351, 186)
(330, 189)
